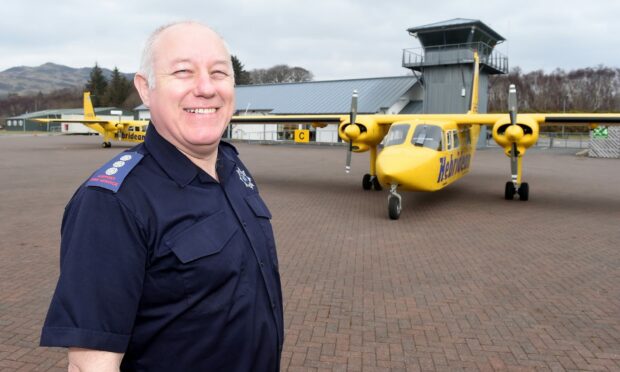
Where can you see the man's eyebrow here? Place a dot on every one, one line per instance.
(180, 60)
(187, 60)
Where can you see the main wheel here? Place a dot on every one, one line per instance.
(366, 183)
(376, 185)
(524, 191)
(394, 207)
(509, 193)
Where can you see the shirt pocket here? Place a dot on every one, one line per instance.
(264, 216)
(211, 262)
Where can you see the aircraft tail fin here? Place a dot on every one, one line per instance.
(474, 86)
(89, 111)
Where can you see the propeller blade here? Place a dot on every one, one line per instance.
(512, 103)
(352, 117)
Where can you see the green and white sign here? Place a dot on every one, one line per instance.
(600, 132)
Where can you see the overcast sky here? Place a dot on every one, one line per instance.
(333, 39)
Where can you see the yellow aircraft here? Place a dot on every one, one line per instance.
(122, 130)
(427, 152)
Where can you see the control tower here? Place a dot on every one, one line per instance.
(446, 61)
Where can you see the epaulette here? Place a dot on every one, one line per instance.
(113, 173)
(224, 143)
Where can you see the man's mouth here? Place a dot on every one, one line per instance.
(201, 111)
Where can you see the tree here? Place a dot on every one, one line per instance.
(117, 91)
(96, 85)
(280, 74)
(242, 77)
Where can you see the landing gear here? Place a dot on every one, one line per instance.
(523, 191)
(366, 182)
(369, 182)
(509, 193)
(106, 145)
(394, 203)
(376, 184)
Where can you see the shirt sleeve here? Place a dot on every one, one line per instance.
(102, 266)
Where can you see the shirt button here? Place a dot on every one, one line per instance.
(262, 264)
(273, 305)
(244, 224)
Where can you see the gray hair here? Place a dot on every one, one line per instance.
(146, 61)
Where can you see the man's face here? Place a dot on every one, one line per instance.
(194, 97)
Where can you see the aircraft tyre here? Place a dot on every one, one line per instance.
(366, 182)
(394, 207)
(106, 145)
(376, 185)
(524, 192)
(509, 193)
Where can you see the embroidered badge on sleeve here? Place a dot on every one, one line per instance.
(112, 174)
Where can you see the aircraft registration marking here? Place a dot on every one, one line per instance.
(454, 166)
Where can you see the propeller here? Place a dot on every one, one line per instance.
(352, 117)
(514, 131)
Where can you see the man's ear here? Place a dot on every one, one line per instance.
(142, 86)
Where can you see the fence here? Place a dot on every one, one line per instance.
(556, 140)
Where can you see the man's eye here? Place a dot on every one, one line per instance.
(220, 74)
(182, 73)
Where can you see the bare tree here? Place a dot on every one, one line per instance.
(280, 74)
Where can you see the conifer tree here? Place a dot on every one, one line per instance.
(96, 85)
(118, 89)
(242, 77)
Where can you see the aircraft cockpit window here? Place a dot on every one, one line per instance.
(397, 134)
(428, 136)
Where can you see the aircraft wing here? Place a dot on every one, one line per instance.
(82, 121)
(280, 119)
(554, 119)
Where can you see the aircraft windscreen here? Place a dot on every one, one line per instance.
(427, 136)
(397, 134)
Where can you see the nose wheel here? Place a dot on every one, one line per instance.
(394, 203)
(523, 191)
(106, 145)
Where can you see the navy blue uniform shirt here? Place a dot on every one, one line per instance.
(174, 269)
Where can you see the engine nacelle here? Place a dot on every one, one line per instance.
(524, 134)
(364, 133)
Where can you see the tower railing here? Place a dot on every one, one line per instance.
(416, 58)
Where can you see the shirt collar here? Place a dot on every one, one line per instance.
(176, 165)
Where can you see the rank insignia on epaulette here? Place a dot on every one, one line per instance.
(112, 174)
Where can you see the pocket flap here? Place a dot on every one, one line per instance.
(258, 206)
(204, 238)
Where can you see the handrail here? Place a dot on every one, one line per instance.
(453, 54)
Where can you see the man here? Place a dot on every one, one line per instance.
(168, 259)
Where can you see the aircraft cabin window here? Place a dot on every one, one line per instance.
(449, 140)
(467, 136)
(397, 134)
(428, 136)
(456, 138)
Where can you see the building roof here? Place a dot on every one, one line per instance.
(323, 97)
(457, 23)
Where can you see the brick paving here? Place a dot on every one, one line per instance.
(464, 281)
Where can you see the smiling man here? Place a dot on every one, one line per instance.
(168, 259)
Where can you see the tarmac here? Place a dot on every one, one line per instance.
(464, 281)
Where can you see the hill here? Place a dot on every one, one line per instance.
(25, 80)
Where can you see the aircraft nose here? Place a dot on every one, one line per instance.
(393, 165)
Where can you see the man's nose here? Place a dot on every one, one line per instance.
(204, 85)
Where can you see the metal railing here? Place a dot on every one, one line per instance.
(285, 136)
(454, 54)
